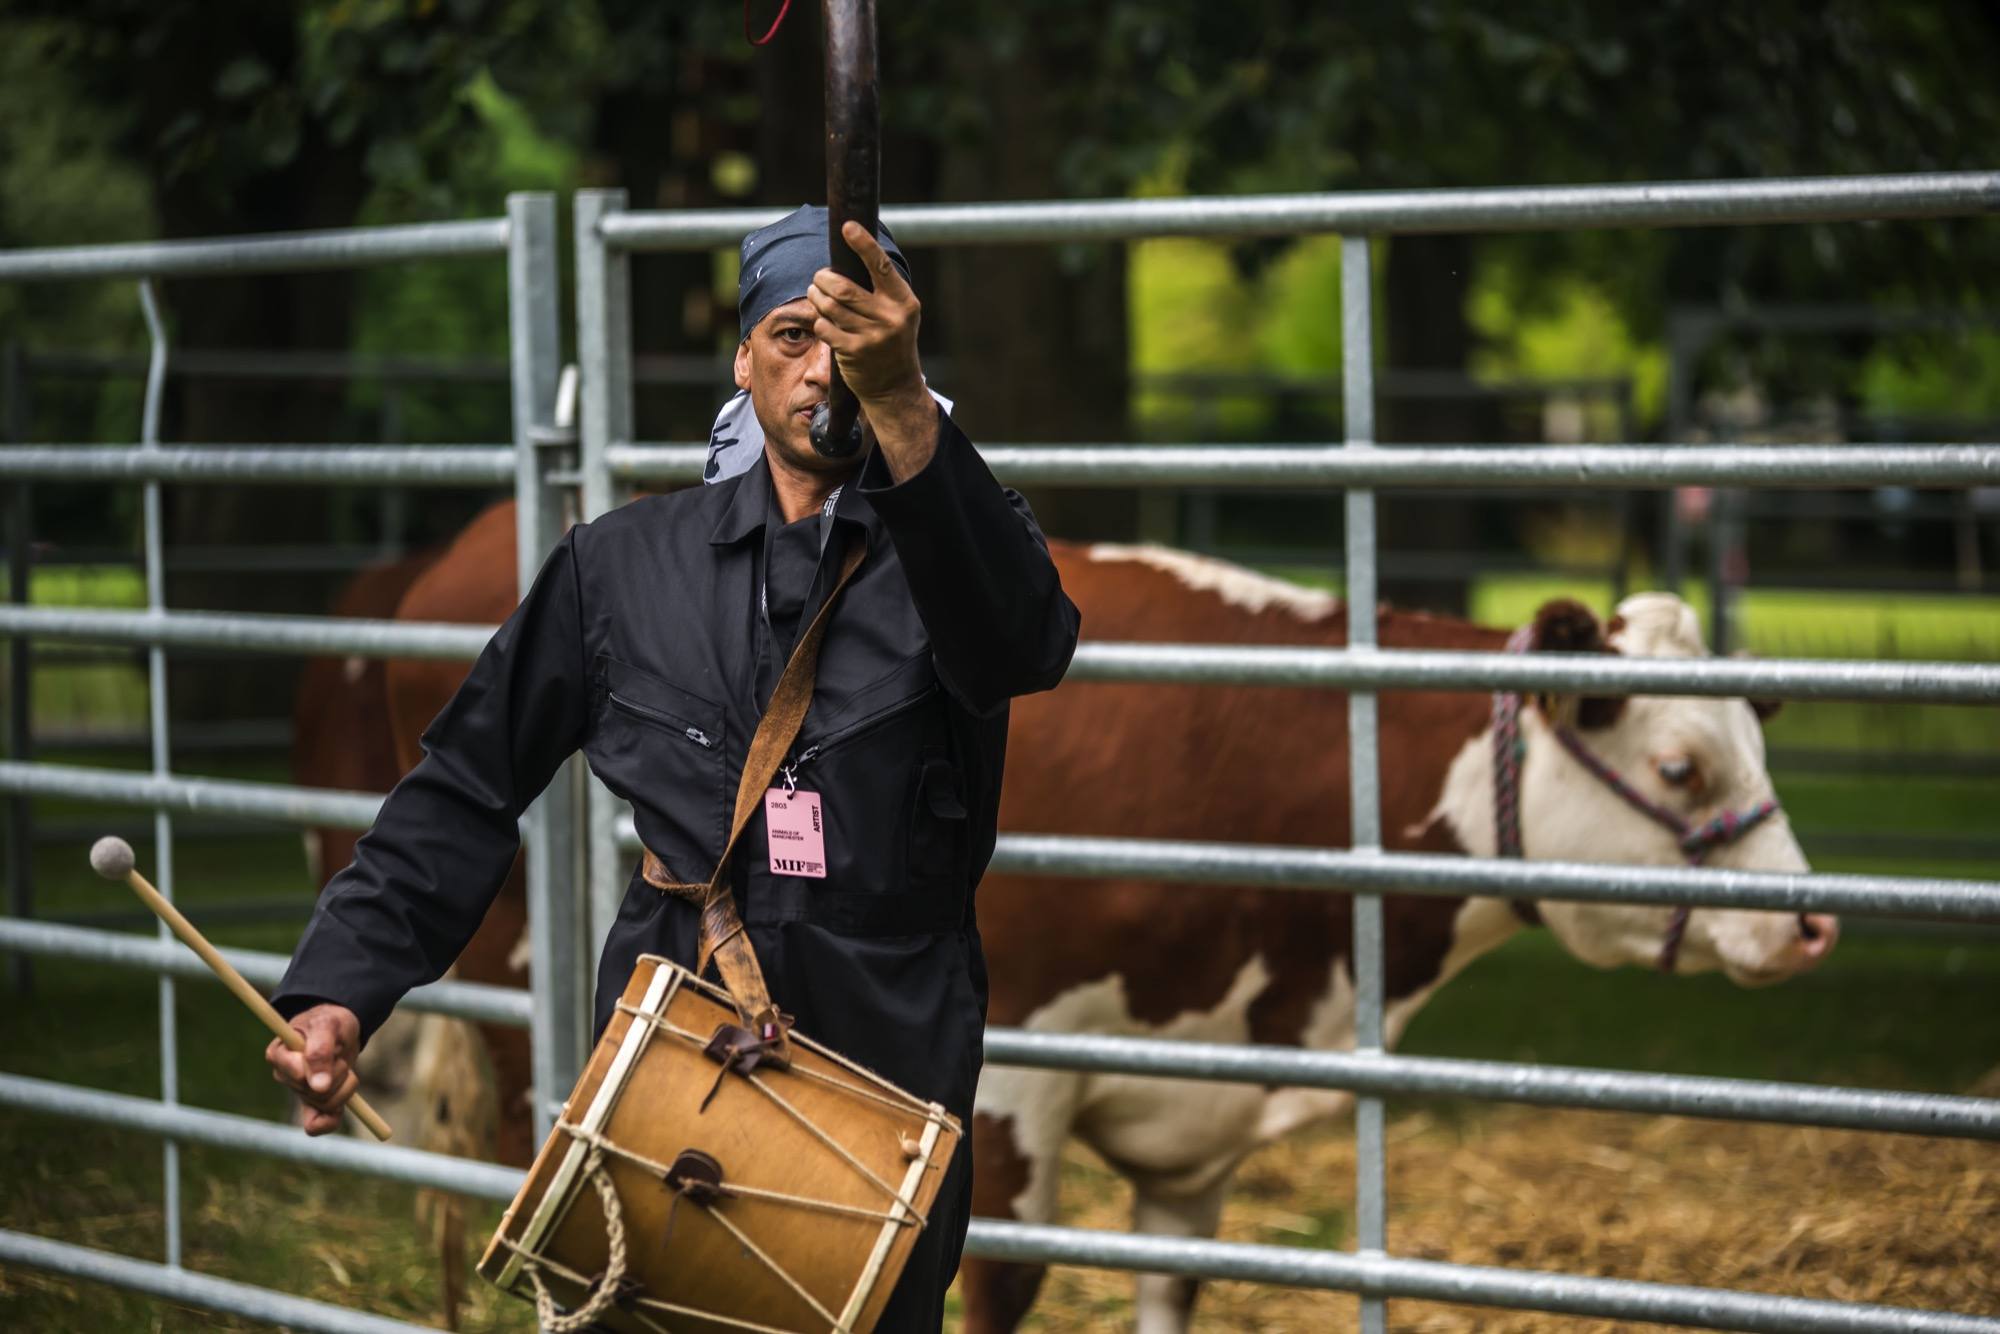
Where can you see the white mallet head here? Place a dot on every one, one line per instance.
(111, 857)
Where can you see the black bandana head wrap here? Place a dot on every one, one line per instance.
(779, 262)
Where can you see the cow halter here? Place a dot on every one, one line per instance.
(1509, 753)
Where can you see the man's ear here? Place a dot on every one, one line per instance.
(743, 364)
(1563, 625)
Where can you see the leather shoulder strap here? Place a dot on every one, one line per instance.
(722, 936)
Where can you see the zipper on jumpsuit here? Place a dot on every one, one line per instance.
(681, 725)
(860, 727)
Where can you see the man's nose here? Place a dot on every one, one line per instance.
(819, 366)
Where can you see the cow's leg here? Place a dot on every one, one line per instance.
(1016, 1171)
(1165, 1302)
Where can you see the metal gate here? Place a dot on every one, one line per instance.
(609, 457)
(532, 464)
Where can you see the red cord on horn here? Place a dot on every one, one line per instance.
(776, 23)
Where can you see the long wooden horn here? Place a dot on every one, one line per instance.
(112, 858)
(853, 185)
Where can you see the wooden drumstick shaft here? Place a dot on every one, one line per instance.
(246, 993)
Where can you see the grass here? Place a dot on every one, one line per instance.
(333, 1237)
(108, 695)
(1885, 1010)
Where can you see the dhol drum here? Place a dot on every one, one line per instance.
(694, 1184)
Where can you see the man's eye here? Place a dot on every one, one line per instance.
(793, 334)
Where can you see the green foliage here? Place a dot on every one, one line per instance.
(1192, 309)
(1278, 95)
(1572, 329)
(62, 182)
(458, 311)
(115, 115)
(425, 108)
(1949, 375)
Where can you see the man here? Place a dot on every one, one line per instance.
(652, 639)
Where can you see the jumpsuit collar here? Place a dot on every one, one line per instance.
(750, 497)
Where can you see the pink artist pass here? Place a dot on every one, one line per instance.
(798, 833)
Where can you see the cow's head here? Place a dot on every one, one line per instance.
(1696, 758)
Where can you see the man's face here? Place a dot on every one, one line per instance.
(785, 369)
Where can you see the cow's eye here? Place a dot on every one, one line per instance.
(1677, 772)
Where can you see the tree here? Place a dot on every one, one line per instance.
(249, 117)
(256, 117)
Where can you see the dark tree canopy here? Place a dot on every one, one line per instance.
(249, 116)
(242, 115)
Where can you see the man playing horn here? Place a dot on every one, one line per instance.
(652, 640)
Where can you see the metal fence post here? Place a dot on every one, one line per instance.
(20, 662)
(557, 971)
(603, 343)
(1358, 408)
(604, 351)
(156, 697)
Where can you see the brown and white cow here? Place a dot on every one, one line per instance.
(1265, 765)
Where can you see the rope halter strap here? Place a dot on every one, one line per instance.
(1695, 841)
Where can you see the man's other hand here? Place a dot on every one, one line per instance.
(323, 1074)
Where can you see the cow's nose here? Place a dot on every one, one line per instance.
(1817, 933)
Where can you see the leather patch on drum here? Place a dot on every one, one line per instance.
(697, 1176)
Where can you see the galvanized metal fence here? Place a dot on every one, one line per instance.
(612, 457)
(608, 457)
(541, 450)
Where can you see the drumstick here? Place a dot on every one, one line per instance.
(112, 858)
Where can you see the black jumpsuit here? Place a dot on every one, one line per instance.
(650, 640)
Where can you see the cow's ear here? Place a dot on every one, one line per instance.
(1564, 625)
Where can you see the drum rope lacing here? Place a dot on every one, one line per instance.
(568, 1275)
(598, 1142)
(916, 1218)
(606, 1293)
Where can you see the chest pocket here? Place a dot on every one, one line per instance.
(662, 749)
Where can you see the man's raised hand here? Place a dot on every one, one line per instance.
(873, 334)
(873, 337)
